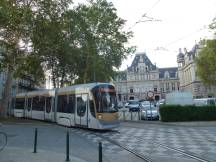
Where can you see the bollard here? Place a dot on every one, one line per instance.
(131, 116)
(35, 141)
(67, 147)
(100, 152)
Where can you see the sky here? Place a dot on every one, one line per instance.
(179, 24)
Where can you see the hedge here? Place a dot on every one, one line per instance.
(175, 113)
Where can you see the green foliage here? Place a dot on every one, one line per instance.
(206, 67)
(82, 44)
(177, 113)
(98, 33)
(30, 66)
(213, 24)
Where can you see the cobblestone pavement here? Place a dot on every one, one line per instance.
(153, 140)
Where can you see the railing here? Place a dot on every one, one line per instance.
(130, 116)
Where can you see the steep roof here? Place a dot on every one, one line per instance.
(141, 58)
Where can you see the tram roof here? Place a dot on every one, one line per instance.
(81, 87)
(43, 92)
(51, 92)
(20, 95)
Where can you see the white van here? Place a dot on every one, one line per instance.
(205, 102)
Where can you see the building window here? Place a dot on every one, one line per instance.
(162, 87)
(131, 90)
(125, 98)
(173, 86)
(155, 89)
(119, 97)
(167, 87)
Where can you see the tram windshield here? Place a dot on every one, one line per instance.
(105, 99)
(108, 102)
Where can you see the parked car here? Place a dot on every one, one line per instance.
(133, 105)
(205, 102)
(149, 111)
(120, 105)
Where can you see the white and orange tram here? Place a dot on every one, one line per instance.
(92, 105)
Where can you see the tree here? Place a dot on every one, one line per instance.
(49, 43)
(83, 44)
(206, 67)
(16, 25)
(12, 30)
(99, 35)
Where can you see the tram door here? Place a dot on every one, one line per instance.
(81, 114)
(48, 108)
(28, 109)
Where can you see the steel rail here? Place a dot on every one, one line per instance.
(180, 151)
(145, 158)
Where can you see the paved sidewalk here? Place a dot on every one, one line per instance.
(12, 154)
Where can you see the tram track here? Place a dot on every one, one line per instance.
(195, 138)
(180, 151)
(114, 142)
(143, 157)
(148, 159)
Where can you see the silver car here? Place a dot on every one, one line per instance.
(133, 105)
(149, 111)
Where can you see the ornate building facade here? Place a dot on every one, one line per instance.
(143, 77)
(189, 81)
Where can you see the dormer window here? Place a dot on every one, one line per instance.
(141, 59)
(166, 75)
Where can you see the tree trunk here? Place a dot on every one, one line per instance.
(86, 68)
(62, 78)
(7, 92)
(53, 76)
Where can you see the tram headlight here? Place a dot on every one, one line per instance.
(99, 116)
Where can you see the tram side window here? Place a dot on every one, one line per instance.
(48, 104)
(92, 109)
(20, 103)
(36, 104)
(41, 103)
(71, 104)
(81, 105)
(62, 104)
(29, 104)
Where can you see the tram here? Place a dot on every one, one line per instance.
(92, 105)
